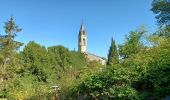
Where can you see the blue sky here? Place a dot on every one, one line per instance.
(57, 22)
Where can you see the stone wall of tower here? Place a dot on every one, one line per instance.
(82, 43)
(82, 39)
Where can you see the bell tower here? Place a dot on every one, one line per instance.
(82, 39)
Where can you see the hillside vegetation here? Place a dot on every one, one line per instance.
(138, 69)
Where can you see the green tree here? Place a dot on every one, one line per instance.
(60, 56)
(35, 60)
(132, 44)
(10, 63)
(154, 82)
(78, 60)
(113, 56)
(162, 9)
(36, 76)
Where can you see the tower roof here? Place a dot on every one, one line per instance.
(82, 29)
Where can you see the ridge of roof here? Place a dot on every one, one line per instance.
(94, 55)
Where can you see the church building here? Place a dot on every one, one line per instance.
(82, 46)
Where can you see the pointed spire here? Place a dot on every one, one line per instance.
(82, 25)
(82, 28)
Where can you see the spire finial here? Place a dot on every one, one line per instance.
(82, 24)
(82, 20)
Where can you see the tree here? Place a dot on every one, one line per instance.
(154, 82)
(162, 9)
(36, 76)
(78, 59)
(113, 57)
(132, 44)
(35, 60)
(60, 56)
(10, 62)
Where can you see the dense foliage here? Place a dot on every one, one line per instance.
(137, 69)
(31, 73)
(141, 74)
(143, 71)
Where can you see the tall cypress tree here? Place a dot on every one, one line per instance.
(113, 56)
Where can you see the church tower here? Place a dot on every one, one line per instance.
(82, 39)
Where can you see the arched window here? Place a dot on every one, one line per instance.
(84, 41)
(83, 32)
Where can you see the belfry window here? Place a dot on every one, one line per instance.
(84, 41)
(83, 32)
